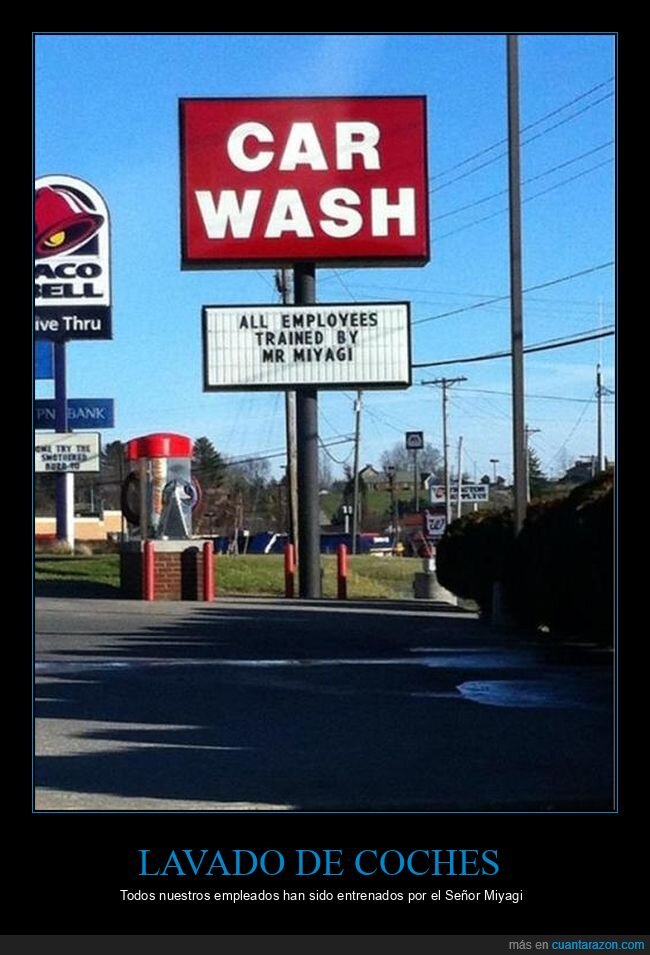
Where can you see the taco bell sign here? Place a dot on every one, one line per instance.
(72, 281)
(322, 179)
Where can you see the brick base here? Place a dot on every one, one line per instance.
(178, 571)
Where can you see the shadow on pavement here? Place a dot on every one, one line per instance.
(71, 589)
(320, 709)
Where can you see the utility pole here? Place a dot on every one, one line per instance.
(601, 390)
(283, 285)
(516, 297)
(390, 471)
(600, 466)
(528, 431)
(445, 383)
(355, 497)
(460, 476)
(416, 483)
(64, 482)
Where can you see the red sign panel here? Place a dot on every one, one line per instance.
(277, 181)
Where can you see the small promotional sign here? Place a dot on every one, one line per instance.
(61, 453)
(72, 281)
(335, 345)
(469, 493)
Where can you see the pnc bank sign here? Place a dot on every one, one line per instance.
(280, 181)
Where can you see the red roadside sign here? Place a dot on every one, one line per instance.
(323, 179)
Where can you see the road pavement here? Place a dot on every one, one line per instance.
(251, 704)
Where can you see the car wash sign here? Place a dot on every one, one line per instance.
(279, 181)
(72, 287)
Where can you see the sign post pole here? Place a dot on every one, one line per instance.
(64, 482)
(309, 584)
(416, 490)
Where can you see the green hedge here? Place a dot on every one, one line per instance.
(474, 553)
(564, 561)
(559, 573)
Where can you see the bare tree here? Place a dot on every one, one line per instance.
(429, 459)
(325, 471)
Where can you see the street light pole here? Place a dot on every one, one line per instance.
(459, 502)
(355, 498)
(601, 390)
(445, 383)
(390, 471)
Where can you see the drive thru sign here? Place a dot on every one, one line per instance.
(318, 179)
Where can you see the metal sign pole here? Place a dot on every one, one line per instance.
(309, 583)
(355, 496)
(64, 482)
(416, 489)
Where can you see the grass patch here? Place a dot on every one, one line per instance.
(254, 574)
(251, 574)
(104, 569)
(387, 577)
(390, 578)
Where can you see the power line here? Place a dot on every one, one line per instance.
(281, 454)
(563, 182)
(541, 175)
(266, 279)
(573, 430)
(485, 414)
(499, 212)
(487, 391)
(567, 119)
(524, 129)
(582, 304)
(502, 298)
(324, 448)
(568, 162)
(382, 419)
(345, 286)
(559, 109)
(506, 354)
(524, 142)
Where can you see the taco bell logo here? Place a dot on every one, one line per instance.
(63, 222)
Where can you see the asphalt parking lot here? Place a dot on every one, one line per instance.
(303, 706)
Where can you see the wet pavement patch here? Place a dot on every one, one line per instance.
(552, 692)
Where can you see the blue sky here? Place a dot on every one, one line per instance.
(106, 110)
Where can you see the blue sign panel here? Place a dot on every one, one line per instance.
(44, 359)
(82, 413)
